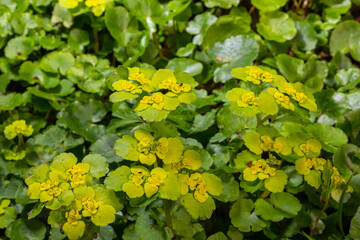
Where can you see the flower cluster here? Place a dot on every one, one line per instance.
(266, 142)
(167, 172)
(97, 6)
(144, 148)
(247, 103)
(201, 184)
(157, 92)
(65, 187)
(17, 128)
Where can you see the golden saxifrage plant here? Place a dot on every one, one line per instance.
(158, 164)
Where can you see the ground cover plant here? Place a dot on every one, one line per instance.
(183, 119)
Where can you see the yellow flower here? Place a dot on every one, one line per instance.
(128, 86)
(158, 175)
(93, 3)
(258, 169)
(145, 146)
(247, 99)
(336, 177)
(73, 217)
(297, 96)
(158, 99)
(134, 187)
(162, 147)
(16, 128)
(304, 165)
(14, 155)
(69, 3)
(310, 148)
(202, 185)
(197, 184)
(77, 174)
(281, 99)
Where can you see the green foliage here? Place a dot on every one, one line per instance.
(149, 119)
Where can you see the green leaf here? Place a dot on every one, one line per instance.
(292, 68)
(203, 122)
(36, 210)
(268, 5)
(347, 159)
(221, 3)
(126, 147)
(306, 37)
(345, 38)
(11, 101)
(117, 22)
(105, 147)
(145, 228)
(116, 179)
(230, 124)
(19, 48)
(53, 136)
(7, 217)
(313, 178)
(199, 25)
(348, 78)
(196, 209)
(98, 165)
(243, 217)
(276, 183)
(355, 225)
(104, 216)
(186, 51)
(218, 236)
(267, 103)
(23, 229)
(147, 12)
(170, 189)
(62, 15)
(222, 29)
(276, 26)
(57, 61)
(238, 51)
(327, 134)
(230, 188)
(187, 65)
(31, 72)
(78, 39)
(151, 114)
(80, 118)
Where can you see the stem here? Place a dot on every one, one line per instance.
(298, 6)
(319, 215)
(48, 113)
(265, 194)
(258, 119)
(265, 119)
(21, 142)
(251, 10)
(11, 114)
(96, 38)
(168, 214)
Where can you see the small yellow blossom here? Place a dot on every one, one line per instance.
(336, 177)
(69, 3)
(77, 174)
(16, 128)
(73, 217)
(198, 185)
